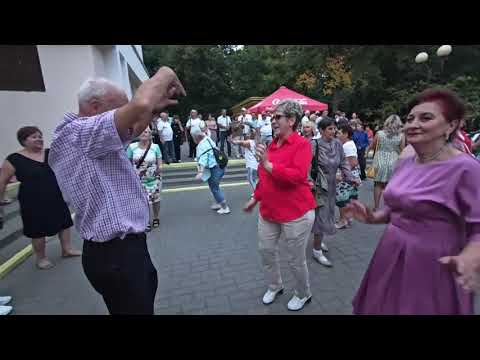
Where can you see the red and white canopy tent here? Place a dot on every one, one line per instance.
(284, 93)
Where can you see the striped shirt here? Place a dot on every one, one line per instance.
(97, 179)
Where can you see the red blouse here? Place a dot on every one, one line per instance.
(285, 194)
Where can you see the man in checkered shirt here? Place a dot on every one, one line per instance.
(97, 179)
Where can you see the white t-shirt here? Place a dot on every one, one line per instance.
(195, 122)
(165, 130)
(243, 119)
(225, 121)
(250, 160)
(265, 127)
(350, 149)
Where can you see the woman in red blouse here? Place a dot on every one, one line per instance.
(286, 204)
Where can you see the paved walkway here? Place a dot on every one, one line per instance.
(207, 264)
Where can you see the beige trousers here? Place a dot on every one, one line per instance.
(296, 234)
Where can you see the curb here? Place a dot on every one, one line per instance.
(20, 257)
(203, 187)
(25, 253)
(193, 164)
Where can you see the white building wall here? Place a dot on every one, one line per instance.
(132, 59)
(63, 70)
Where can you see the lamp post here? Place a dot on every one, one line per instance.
(442, 52)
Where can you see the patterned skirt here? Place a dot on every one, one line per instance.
(384, 163)
(346, 192)
(153, 187)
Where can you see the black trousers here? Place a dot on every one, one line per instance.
(223, 139)
(362, 162)
(177, 145)
(192, 147)
(122, 272)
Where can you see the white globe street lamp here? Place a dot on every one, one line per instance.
(444, 50)
(421, 58)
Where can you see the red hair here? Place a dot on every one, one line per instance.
(453, 107)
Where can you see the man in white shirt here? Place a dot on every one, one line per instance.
(224, 122)
(247, 122)
(244, 118)
(265, 129)
(166, 137)
(193, 121)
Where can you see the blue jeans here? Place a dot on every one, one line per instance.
(252, 177)
(216, 174)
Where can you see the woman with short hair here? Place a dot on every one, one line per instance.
(330, 159)
(209, 170)
(42, 207)
(286, 204)
(146, 157)
(346, 192)
(428, 260)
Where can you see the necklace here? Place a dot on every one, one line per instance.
(431, 157)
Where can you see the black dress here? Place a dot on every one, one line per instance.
(42, 208)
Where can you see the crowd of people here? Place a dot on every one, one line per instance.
(300, 166)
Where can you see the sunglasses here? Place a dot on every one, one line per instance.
(279, 116)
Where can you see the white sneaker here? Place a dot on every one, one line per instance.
(270, 296)
(296, 304)
(224, 211)
(5, 310)
(4, 300)
(324, 247)
(216, 207)
(318, 255)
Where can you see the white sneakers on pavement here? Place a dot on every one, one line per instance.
(5, 310)
(296, 304)
(321, 258)
(4, 300)
(216, 207)
(223, 211)
(270, 296)
(324, 247)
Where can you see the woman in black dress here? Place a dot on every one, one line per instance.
(42, 208)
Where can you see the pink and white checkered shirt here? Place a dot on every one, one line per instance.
(97, 179)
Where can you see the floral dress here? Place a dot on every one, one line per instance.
(148, 169)
(345, 191)
(386, 156)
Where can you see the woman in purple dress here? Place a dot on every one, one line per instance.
(428, 260)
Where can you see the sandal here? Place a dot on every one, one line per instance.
(44, 264)
(71, 253)
(156, 223)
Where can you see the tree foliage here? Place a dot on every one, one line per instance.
(374, 81)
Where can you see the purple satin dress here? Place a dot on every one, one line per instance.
(435, 208)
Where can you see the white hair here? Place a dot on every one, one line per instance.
(96, 88)
(197, 133)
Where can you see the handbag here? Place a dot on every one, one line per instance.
(142, 159)
(371, 171)
(220, 156)
(314, 167)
